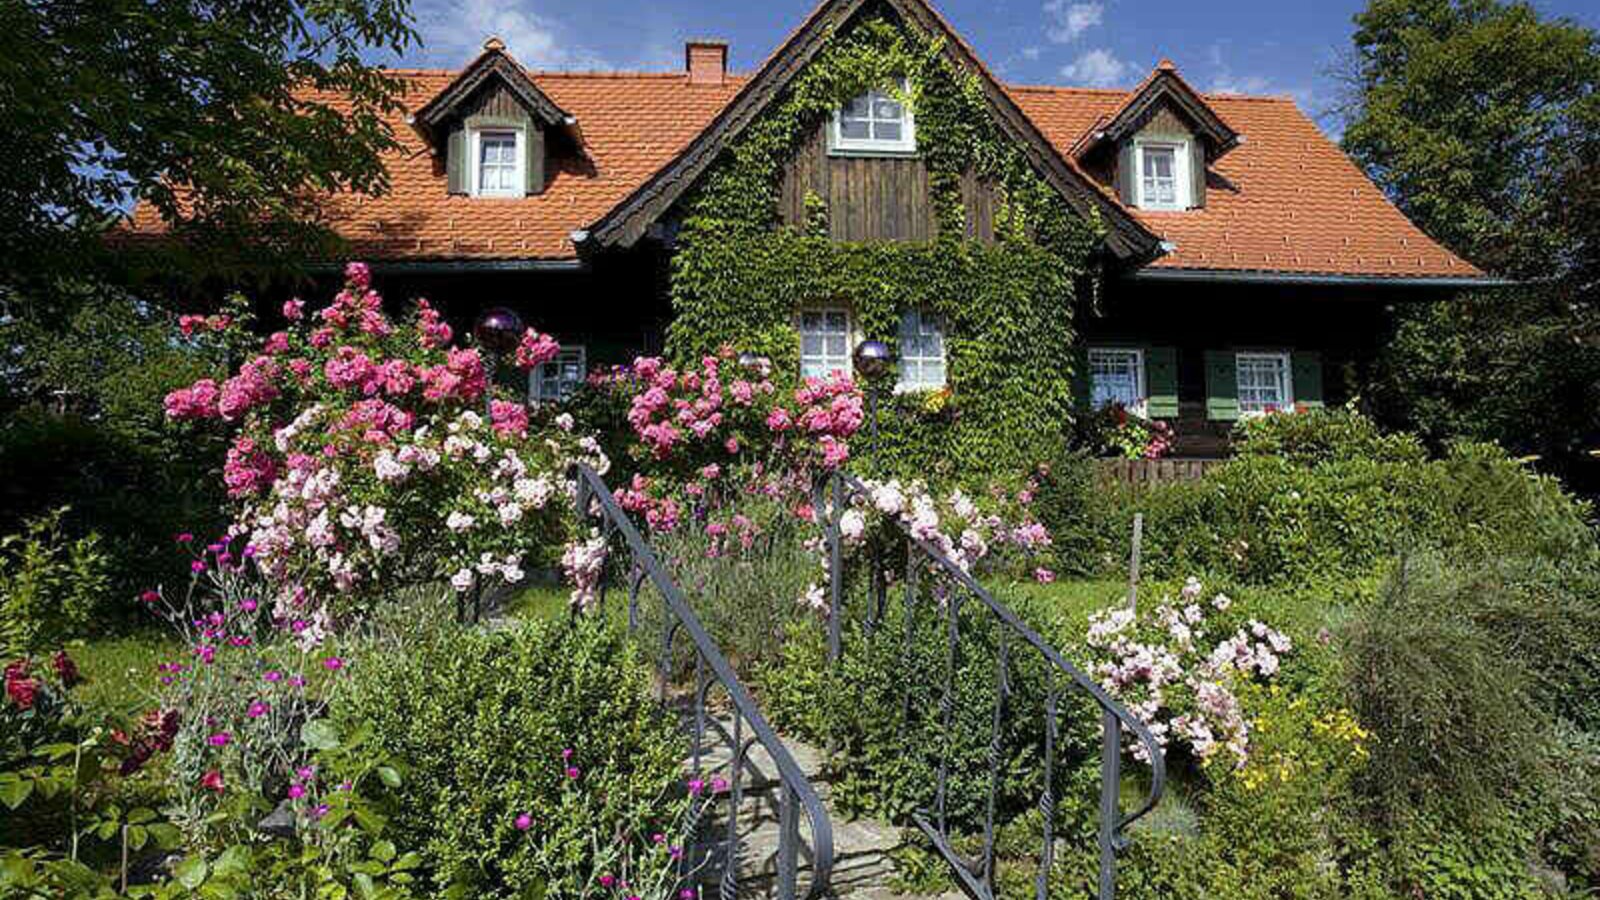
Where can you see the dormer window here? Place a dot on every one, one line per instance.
(498, 165)
(874, 123)
(1163, 176)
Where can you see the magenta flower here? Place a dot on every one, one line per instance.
(257, 710)
(212, 781)
(296, 791)
(608, 881)
(220, 739)
(273, 676)
(184, 538)
(718, 785)
(333, 664)
(696, 786)
(524, 822)
(248, 606)
(573, 772)
(566, 754)
(150, 597)
(305, 773)
(197, 566)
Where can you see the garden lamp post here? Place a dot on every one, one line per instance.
(498, 331)
(873, 362)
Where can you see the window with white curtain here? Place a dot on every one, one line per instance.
(874, 121)
(1116, 377)
(824, 342)
(1264, 383)
(561, 377)
(499, 164)
(1163, 175)
(922, 359)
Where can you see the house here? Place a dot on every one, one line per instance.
(1237, 262)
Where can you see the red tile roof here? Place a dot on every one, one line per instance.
(1293, 203)
(1296, 203)
(631, 125)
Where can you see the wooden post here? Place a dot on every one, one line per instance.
(1133, 562)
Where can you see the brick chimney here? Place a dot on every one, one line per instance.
(707, 61)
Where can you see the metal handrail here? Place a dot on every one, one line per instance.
(1115, 718)
(797, 795)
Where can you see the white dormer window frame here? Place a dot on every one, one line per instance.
(1144, 197)
(874, 102)
(513, 181)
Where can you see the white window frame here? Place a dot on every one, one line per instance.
(1283, 358)
(1141, 392)
(520, 189)
(926, 325)
(825, 357)
(569, 354)
(1181, 195)
(838, 143)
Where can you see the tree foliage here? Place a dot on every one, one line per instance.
(109, 101)
(1481, 120)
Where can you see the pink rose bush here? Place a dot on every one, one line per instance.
(1178, 666)
(367, 454)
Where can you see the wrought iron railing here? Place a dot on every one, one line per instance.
(978, 876)
(796, 796)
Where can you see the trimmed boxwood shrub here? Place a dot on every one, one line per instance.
(481, 721)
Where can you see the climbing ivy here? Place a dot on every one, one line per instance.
(739, 277)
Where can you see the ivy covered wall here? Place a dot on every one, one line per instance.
(739, 278)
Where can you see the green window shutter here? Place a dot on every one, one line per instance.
(1222, 386)
(457, 169)
(1081, 392)
(1161, 381)
(1197, 173)
(1307, 373)
(1127, 174)
(533, 153)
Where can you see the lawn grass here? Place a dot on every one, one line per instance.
(539, 602)
(120, 672)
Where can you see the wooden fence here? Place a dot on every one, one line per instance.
(1155, 471)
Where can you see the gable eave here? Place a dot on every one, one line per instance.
(490, 64)
(629, 220)
(1163, 86)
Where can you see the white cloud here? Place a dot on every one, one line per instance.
(1228, 83)
(1032, 53)
(1096, 68)
(453, 32)
(1069, 20)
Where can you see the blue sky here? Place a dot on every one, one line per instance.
(1249, 46)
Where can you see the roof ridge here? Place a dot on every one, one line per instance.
(1122, 92)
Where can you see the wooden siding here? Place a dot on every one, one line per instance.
(1155, 471)
(494, 99)
(877, 198)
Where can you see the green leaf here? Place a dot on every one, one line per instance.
(54, 752)
(389, 777)
(365, 886)
(14, 790)
(192, 872)
(534, 891)
(319, 734)
(138, 836)
(165, 834)
(234, 861)
(384, 851)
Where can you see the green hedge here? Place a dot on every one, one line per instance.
(1317, 498)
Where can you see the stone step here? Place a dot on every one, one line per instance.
(863, 867)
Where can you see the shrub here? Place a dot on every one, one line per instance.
(363, 457)
(488, 722)
(51, 589)
(1317, 436)
(1270, 519)
(1457, 729)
